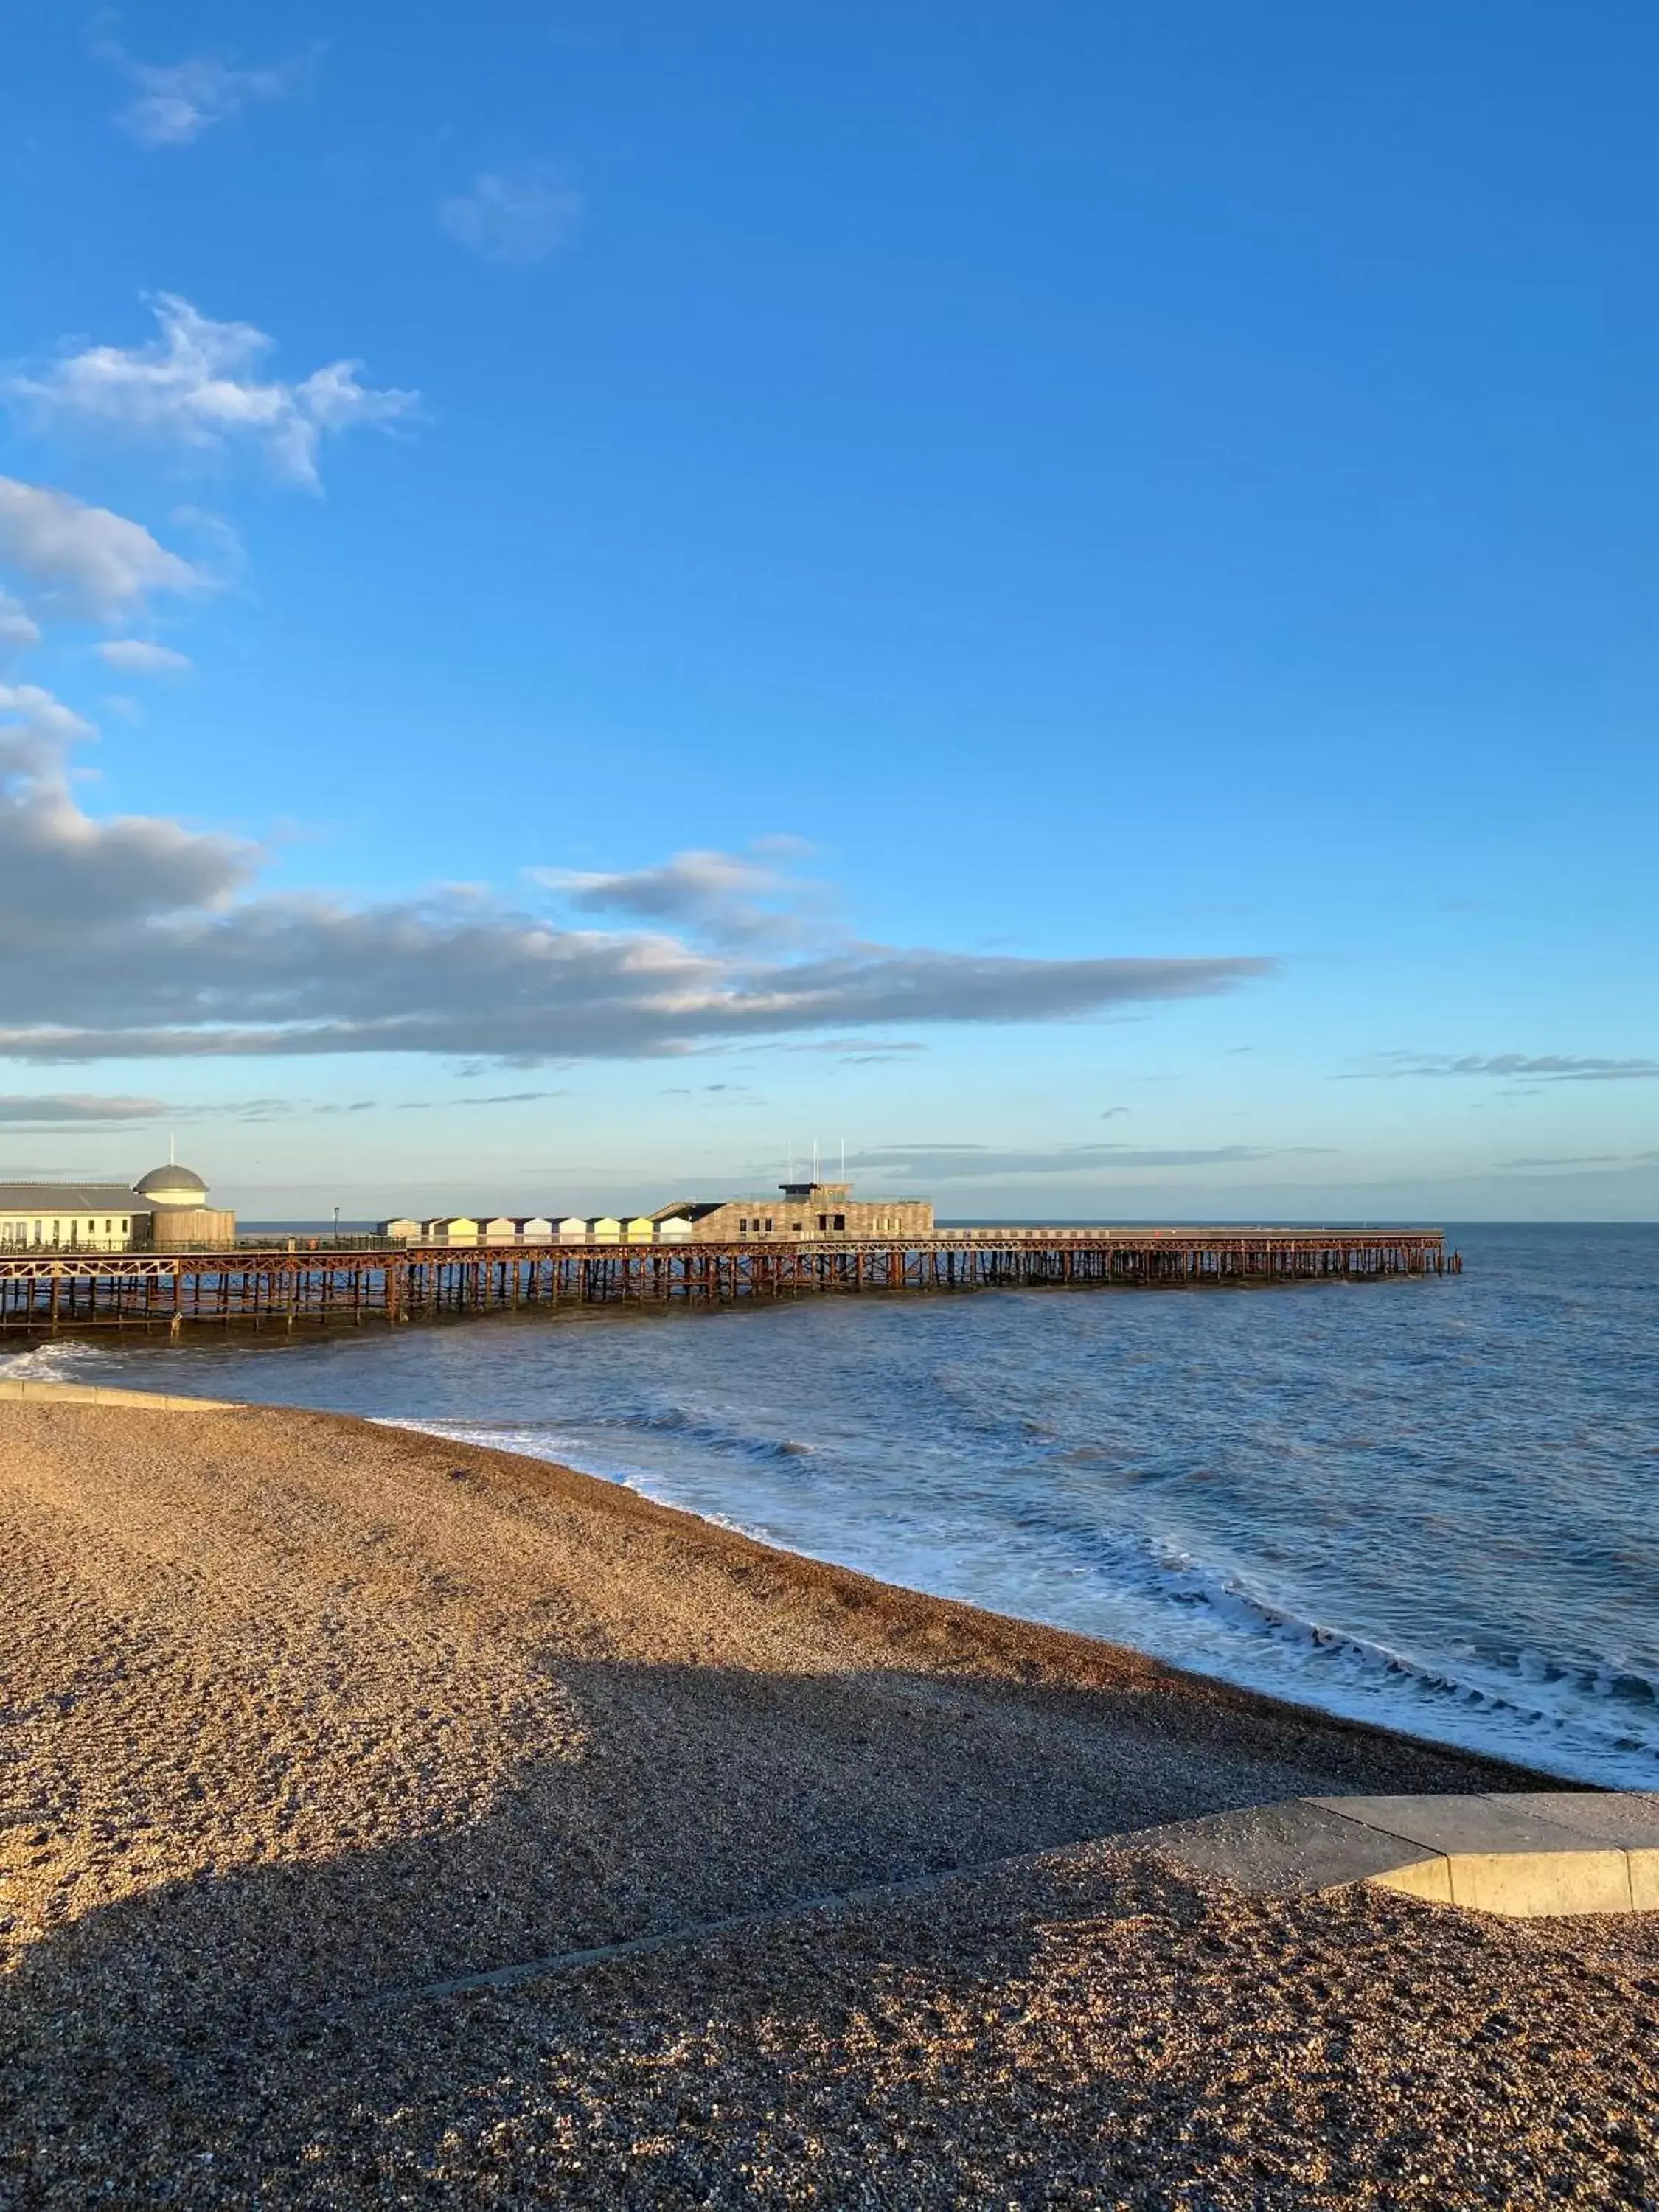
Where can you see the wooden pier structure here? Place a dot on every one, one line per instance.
(46, 1293)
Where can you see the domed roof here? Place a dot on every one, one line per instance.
(172, 1186)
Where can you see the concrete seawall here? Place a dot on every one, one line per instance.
(89, 1393)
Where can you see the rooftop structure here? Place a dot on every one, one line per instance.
(802, 1210)
(172, 1186)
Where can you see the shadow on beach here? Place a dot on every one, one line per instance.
(230, 2023)
(310, 1713)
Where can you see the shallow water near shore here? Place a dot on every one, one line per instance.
(1427, 1505)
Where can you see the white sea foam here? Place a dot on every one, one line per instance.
(1189, 1614)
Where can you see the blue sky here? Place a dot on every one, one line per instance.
(1062, 594)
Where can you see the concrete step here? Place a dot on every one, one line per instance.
(1529, 1854)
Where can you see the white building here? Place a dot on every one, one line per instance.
(164, 1210)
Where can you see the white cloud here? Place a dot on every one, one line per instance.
(126, 875)
(177, 101)
(136, 656)
(519, 218)
(85, 559)
(139, 937)
(197, 383)
(35, 730)
(17, 627)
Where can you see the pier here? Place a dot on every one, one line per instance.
(49, 1291)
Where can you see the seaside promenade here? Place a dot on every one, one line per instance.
(309, 1715)
(311, 1284)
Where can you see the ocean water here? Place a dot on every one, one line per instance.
(1430, 1505)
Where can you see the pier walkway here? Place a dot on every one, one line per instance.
(46, 1291)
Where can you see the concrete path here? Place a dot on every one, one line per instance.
(1527, 1855)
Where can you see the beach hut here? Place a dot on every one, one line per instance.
(605, 1228)
(637, 1228)
(534, 1228)
(501, 1229)
(572, 1228)
(400, 1232)
(675, 1229)
(452, 1229)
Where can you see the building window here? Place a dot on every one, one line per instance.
(769, 1224)
(742, 1227)
(824, 1221)
(841, 1221)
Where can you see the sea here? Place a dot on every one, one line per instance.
(1433, 1505)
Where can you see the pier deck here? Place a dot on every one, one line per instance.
(47, 1291)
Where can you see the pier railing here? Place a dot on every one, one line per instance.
(49, 1291)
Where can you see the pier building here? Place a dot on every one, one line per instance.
(165, 1210)
(180, 1218)
(801, 1209)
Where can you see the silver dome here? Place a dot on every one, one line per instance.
(171, 1186)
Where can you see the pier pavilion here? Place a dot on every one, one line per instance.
(165, 1210)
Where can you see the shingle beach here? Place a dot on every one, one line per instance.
(302, 1714)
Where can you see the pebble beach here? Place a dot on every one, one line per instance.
(306, 1715)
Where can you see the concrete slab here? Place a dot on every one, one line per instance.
(1628, 1817)
(1295, 1845)
(1526, 1855)
(1480, 1825)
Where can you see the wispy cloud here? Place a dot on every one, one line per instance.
(1574, 1163)
(78, 559)
(1532, 1068)
(138, 937)
(174, 102)
(855, 1052)
(138, 656)
(68, 1109)
(949, 1162)
(496, 1098)
(518, 217)
(198, 384)
(721, 898)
